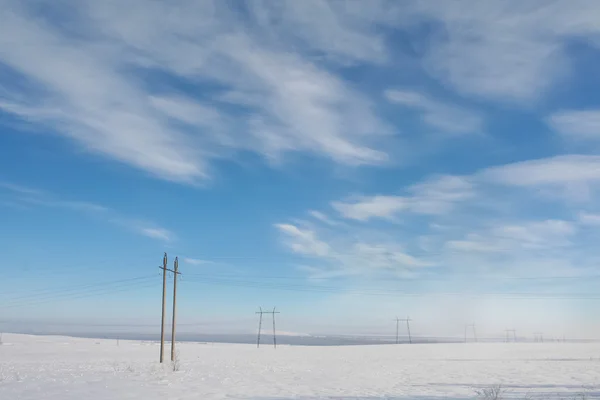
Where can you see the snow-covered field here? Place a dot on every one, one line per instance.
(60, 368)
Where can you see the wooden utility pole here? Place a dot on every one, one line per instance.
(164, 308)
(261, 312)
(162, 323)
(175, 272)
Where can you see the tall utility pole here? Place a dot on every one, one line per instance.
(164, 309)
(474, 333)
(162, 323)
(175, 273)
(261, 312)
(407, 320)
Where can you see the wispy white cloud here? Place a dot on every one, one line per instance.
(322, 217)
(438, 195)
(435, 196)
(474, 243)
(471, 48)
(20, 189)
(575, 178)
(548, 234)
(482, 41)
(436, 114)
(157, 233)
(344, 256)
(343, 32)
(366, 207)
(493, 222)
(304, 241)
(26, 196)
(196, 261)
(87, 89)
(569, 176)
(577, 125)
(586, 218)
(266, 79)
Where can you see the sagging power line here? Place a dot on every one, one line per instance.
(260, 284)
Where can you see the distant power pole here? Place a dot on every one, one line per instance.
(407, 320)
(162, 323)
(538, 337)
(175, 273)
(274, 331)
(514, 334)
(259, 326)
(260, 313)
(474, 333)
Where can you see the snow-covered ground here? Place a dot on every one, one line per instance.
(61, 368)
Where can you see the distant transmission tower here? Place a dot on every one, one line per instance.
(407, 320)
(261, 312)
(538, 337)
(514, 335)
(473, 329)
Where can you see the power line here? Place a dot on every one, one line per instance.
(80, 295)
(419, 278)
(379, 292)
(67, 289)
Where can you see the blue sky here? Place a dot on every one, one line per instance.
(335, 160)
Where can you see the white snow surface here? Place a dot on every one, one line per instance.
(64, 368)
